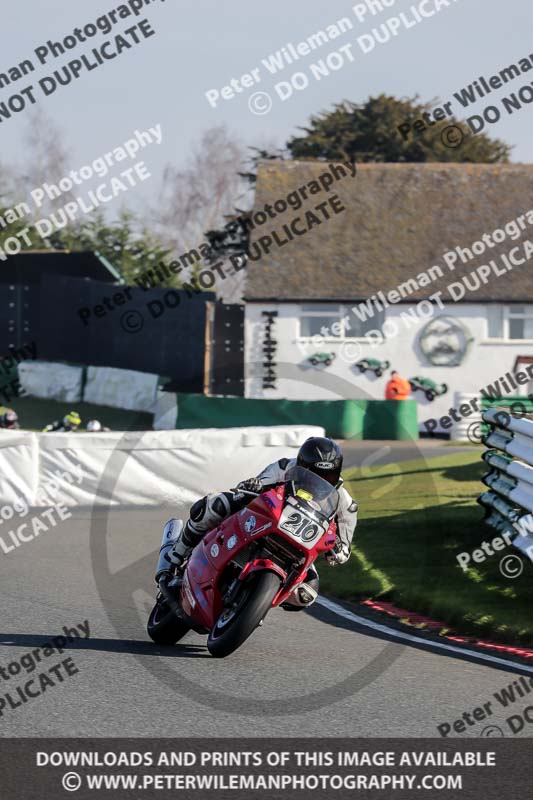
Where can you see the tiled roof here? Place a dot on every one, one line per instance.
(400, 220)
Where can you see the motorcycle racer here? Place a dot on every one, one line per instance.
(8, 419)
(320, 455)
(70, 423)
(95, 426)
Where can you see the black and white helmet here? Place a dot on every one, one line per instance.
(323, 457)
(94, 426)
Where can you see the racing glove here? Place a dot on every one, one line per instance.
(250, 485)
(339, 555)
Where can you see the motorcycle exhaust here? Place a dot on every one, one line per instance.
(171, 533)
(302, 596)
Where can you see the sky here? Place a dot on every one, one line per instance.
(201, 45)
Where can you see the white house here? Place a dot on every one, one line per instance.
(425, 268)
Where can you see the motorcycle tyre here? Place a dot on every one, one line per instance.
(247, 617)
(165, 628)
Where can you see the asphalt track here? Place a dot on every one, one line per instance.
(307, 674)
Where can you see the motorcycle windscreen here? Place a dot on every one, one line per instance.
(310, 505)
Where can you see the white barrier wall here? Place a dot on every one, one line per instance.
(51, 381)
(121, 388)
(139, 468)
(105, 386)
(486, 360)
(19, 466)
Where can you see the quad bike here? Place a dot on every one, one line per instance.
(249, 564)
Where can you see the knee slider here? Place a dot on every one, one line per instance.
(221, 505)
(198, 509)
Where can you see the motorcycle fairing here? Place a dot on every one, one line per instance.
(220, 546)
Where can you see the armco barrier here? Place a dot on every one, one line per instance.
(509, 502)
(342, 419)
(140, 468)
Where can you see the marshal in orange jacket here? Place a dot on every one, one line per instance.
(397, 388)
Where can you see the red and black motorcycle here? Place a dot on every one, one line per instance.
(251, 563)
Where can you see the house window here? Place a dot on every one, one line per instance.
(510, 322)
(495, 322)
(520, 322)
(358, 328)
(314, 318)
(336, 322)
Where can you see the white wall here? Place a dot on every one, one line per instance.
(485, 362)
(138, 468)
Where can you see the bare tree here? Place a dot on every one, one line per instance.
(46, 156)
(196, 198)
(201, 196)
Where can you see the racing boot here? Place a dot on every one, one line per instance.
(184, 545)
(205, 514)
(171, 534)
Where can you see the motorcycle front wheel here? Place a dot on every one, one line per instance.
(163, 625)
(237, 623)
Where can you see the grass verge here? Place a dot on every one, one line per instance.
(414, 518)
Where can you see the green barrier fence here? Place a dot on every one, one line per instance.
(342, 419)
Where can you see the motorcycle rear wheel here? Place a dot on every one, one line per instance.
(163, 625)
(234, 626)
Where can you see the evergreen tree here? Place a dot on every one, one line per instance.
(369, 133)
